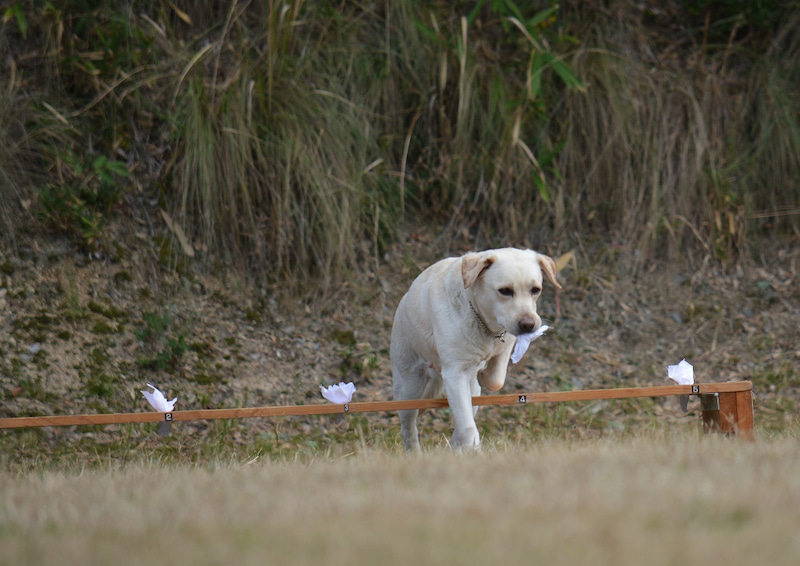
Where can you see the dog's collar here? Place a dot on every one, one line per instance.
(500, 336)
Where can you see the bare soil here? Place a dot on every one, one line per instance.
(84, 334)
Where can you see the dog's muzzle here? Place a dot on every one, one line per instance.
(527, 324)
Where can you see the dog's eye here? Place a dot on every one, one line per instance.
(536, 290)
(506, 291)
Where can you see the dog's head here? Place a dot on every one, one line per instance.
(504, 286)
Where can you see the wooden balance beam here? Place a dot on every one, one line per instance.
(727, 407)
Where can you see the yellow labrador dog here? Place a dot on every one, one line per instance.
(455, 329)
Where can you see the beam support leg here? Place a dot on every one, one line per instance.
(730, 414)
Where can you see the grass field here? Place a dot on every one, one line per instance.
(228, 199)
(652, 497)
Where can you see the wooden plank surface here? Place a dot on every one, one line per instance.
(375, 406)
(744, 414)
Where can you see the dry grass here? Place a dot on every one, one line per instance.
(660, 158)
(654, 498)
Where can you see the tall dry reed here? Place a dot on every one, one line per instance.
(299, 139)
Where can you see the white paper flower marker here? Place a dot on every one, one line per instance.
(157, 400)
(339, 394)
(524, 340)
(681, 373)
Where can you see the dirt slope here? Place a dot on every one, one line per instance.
(81, 334)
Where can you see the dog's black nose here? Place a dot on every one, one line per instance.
(527, 325)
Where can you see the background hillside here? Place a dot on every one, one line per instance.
(229, 198)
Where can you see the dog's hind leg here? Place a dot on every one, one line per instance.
(409, 383)
(419, 381)
(408, 429)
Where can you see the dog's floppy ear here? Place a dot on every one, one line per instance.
(473, 265)
(549, 269)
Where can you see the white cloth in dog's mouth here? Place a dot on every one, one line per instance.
(524, 340)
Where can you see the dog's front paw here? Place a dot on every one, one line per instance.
(466, 440)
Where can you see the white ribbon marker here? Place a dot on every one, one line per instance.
(524, 340)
